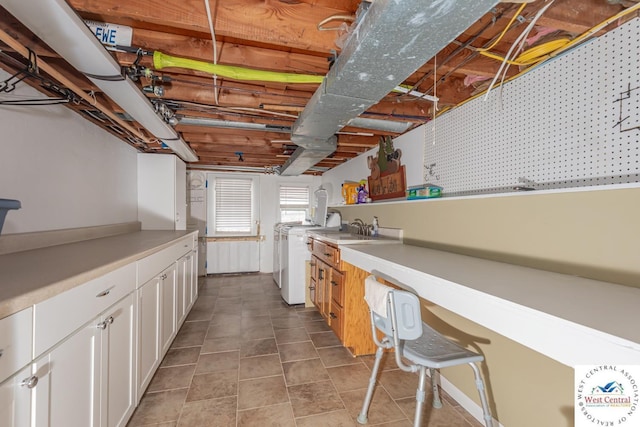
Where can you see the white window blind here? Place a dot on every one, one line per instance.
(294, 202)
(233, 205)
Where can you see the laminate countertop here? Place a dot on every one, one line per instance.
(30, 277)
(574, 320)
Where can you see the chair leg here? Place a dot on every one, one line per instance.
(483, 397)
(362, 416)
(420, 395)
(435, 380)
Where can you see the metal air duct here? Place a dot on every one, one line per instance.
(391, 41)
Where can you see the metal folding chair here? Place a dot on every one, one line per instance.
(396, 314)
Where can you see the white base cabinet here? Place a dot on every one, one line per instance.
(68, 389)
(84, 357)
(15, 400)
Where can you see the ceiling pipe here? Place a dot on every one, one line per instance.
(57, 24)
(391, 41)
(18, 47)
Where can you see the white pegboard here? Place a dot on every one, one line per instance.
(572, 122)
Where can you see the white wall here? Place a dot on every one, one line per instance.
(412, 146)
(66, 172)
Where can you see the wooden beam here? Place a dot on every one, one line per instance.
(285, 24)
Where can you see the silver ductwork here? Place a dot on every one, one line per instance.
(391, 41)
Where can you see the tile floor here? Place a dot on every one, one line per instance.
(245, 358)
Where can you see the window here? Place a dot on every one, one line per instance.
(294, 202)
(232, 206)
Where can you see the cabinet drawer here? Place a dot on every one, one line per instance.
(58, 317)
(15, 342)
(327, 253)
(337, 287)
(150, 266)
(336, 319)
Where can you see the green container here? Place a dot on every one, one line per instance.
(423, 192)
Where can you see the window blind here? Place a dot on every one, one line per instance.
(233, 205)
(294, 202)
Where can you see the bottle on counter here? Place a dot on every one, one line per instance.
(374, 227)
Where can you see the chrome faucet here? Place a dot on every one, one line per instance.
(360, 226)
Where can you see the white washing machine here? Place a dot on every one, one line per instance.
(293, 257)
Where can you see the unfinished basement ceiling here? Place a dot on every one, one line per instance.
(245, 121)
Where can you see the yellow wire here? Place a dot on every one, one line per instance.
(503, 31)
(533, 55)
(552, 54)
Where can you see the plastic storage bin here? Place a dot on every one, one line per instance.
(5, 206)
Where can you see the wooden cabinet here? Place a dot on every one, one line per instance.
(337, 290)
(162, 192)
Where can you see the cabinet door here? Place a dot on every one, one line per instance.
(148, 332)
(15, 399)
(183, 291)
(68, 390)
(192, 276)
(168, 312)
(118, 367)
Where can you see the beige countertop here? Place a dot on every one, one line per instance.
(571, 319)
(30, 277)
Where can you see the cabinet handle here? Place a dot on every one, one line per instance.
(1, 351)
(104, 293)
(327, 254)
(334, 283)
(109, 320)
(333, 315)
(30, 382)
(321, 274)
(102, 325)
(311, 288)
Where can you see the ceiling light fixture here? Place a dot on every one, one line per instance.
(57, 24)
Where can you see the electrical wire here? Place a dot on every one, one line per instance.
(215, 47)
(571, 44)
(515, 48)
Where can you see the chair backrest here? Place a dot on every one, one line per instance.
(402, 308)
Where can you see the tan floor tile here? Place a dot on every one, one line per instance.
(159, 407)
(260, 366)
(314, 398)
(285, 322)
(225, 319)
(258, 347)
(214, 385)
(252, 322)
(316, 326)
(213, 362)
(264, 331)
(284, 336)
(210, 413)
(260, 392)
(307, 315)
(333, 419)
(350, 377)
(400, 384)
(272, 416)
(297, 351)
(383, 408)
(171, 378)
(217, 345)
(432, 417)
(181, 356)
(191, 334)
(325, 339)
(304, 371)
(226, 330)
(337, 356)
